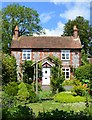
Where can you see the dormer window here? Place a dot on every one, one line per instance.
(65, 54)
(26, 54)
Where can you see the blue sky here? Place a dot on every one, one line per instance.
(56, 13)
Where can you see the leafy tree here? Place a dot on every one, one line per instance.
(84, 72)
(8, 69)
(28, 71)
(26, 18)
(85, 31)
(84, 57)
(57, 75)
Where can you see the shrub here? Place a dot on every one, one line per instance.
(84, 72)
(20, 91)
(9, 72)
(63, 115)
(68, 98)
(17, 113)
(78, 88)
(32, 95)
(23, 93)
(11, 88)
(45, 94)
(68, 82)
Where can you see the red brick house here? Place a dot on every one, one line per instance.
(36, 48)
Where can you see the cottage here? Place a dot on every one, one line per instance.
(37, 48)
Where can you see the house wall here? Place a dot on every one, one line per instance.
(37, 54)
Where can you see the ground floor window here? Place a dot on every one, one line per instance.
(66, 71)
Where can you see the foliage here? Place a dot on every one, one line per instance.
(8, 69)
(23, 93)
(26, 18)
(28, 71)
(84, 72)
(17, 112)
(79, 88)
(63, 115)
(68, 83)
(85, 31)
(84, 57)
(32, 95)
(57, 75)
(63, 97)
(19, 91)
(11, 88)
(46, 94)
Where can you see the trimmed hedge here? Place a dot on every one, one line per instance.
(68, 98)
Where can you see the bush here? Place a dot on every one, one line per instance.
(17, 113)
(84, 72)
(78, 88)
(45, 95)
(68, 83)
(63, 115)
(32, 95)
(64, 97)
(11, 88)
(9, 71)
(20, 91)
(23, 93)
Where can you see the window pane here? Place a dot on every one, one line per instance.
(67, 74)
(67, 69)
(67, 56)
(28, 56)
(24, 56)
(63, 56)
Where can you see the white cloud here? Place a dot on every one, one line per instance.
(60, 1)
(45, 17)
(78, 9)
(58, 31)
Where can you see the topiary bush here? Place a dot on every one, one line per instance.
(64, 97)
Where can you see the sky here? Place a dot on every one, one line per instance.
(54, 14)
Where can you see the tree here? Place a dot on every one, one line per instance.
(26, 18)
(57, 75)
(9, 72)
(85, 31)
(28, 71)
(84, 72)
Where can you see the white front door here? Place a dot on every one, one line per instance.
(45, 76)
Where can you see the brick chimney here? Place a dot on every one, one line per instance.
(16, 33)
(75, 32)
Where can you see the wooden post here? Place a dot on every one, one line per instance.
(36, 78)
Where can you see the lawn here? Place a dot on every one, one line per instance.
(51, 105)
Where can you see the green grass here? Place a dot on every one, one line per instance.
(51, 105)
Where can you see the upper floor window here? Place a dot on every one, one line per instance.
(26, 54)
(65, 55)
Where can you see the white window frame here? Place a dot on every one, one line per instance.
(65, 52)
(66, 71)
(26, 52)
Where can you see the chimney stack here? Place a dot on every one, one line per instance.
(75, 32)
(16, 33)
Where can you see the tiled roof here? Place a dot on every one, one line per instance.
(46, 42)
